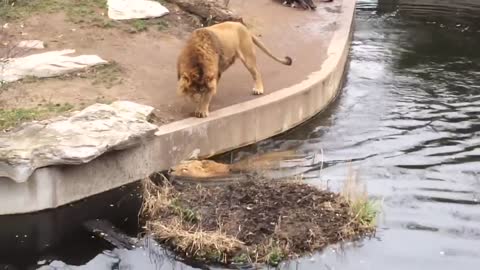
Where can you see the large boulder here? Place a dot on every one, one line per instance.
(77, 139)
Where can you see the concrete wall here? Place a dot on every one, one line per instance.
(223, 130)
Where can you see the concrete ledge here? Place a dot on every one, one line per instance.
(223, 130)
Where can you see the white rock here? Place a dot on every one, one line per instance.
(77, 139)
(135, 9)
(31, 44)
(48, 64)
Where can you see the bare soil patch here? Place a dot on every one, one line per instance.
(255, 221)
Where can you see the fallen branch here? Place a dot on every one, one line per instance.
(211, 11)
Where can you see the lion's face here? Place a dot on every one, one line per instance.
(200, 169)
(193, 86)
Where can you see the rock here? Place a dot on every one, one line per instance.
(100, 262)
(77, 139)
(48, 64)
(211, 11)
(31, 44)
(135, 9)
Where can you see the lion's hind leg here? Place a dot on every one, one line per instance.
(248, 57)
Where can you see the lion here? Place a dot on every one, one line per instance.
(209, 52)
(208, 169)
(201, 169)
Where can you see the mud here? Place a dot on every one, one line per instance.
(290, 216)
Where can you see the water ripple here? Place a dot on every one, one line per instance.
(409, 119)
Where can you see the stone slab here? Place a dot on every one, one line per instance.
(47, 64)
(135, 9)
(77, 139)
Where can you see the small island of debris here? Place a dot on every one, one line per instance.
(254, 221)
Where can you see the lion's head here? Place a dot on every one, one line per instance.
(192, 85)
(200, 169)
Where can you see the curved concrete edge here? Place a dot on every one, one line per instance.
(226, 129)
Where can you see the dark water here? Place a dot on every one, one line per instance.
(408, 120)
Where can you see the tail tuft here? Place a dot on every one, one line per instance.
(288, 61)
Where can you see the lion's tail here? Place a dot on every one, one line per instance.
(287, 61)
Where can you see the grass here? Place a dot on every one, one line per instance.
(185, 213)
(242, 258)
(91, 13)
(108, 75)
(162, 25)
(138, 26)
(275, 256)
(173, 223)
(85, 11)
(198, 244)
(13, 117)
(213, 246)
(364, 210)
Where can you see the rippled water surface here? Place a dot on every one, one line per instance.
(408, 120)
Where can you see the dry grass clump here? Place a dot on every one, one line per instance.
(249, 222)
(363, 209)
(177, 230)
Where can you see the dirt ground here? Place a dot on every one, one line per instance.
(145, 58)
(270, 218)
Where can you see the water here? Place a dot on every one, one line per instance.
(408, 120)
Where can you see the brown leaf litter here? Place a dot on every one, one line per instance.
(249, 222)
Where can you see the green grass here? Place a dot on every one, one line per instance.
(275, 256)
(13, 117)
(87, 12)
(92, 13)
(366, 212)
(76, 10)
(139, 26)
(162, 25)
(108, 75)
(186, 214)
(242, 258)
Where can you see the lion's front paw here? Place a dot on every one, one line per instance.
(201, 114)
(256, 91)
